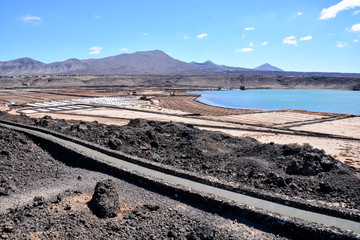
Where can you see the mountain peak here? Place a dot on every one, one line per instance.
(207, 63)
(268, 67)
(25, 60)
(152, 52)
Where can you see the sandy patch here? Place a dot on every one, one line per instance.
(272, 118)
(349, 127)
(107, 121)
(4, 107)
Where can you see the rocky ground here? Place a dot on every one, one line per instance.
(292, 170)
(44, 197)
(22, 161)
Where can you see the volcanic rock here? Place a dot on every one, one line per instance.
(114, 143)
(105, 200)
(325, 187)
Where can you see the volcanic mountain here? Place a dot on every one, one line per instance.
(268, 67)
(139, 62)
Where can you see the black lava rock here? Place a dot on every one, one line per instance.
(325, 187)
(291, 149)
(327, 163)
(105, 200)
(114, 143)
(280, 181)
(38, 201)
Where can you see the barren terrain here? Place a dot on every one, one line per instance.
(45, 195)
(305, 155)
(274, 126)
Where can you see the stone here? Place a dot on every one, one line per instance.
(327, 163)
(325, 187)
(5, 153)
(38, 201)
(114, 143)
(291, 149)
(105, 200)
(293, 168)
(280, 181)
(42, 122)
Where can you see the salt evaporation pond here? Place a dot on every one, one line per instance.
(332, 101)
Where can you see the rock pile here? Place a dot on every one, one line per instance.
(105, 200)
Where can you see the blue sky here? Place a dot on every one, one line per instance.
(307, 35)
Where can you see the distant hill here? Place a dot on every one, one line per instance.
(146, 62)
(268, 67)
(152, 62)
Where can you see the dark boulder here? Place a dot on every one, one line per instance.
(280, 181)
(327, 163)
(105, 200)
(42, 122)
(293, 168)
(114, 143)
(38, 201)
(291, 149)
(325, 187)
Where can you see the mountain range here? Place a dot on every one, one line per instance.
(146, 62)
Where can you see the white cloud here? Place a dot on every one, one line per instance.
(332, 11)
(249, 29)
(355, 40)
(341, 44)
(265, 43)
(32, 19)
(290, 40)
(97, 16)
(298, 14)
(146, 34)
(355, 28)
(251, 44)
(201, 36)
(124, 49)
(95, 50)
(306, 38)
(356, 12)
(186, 36)
(244, 50)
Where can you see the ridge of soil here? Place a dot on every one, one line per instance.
(290, 170)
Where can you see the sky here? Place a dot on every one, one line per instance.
(302, 35)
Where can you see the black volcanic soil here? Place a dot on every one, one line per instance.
(22, 162)
(27, 169)
(292, 170)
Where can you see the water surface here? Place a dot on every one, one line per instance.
(332, 101)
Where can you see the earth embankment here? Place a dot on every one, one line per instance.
(192, 81)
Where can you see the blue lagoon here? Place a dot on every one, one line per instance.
(332, 101)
